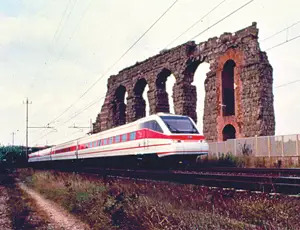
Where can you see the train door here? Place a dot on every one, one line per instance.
(50, 154)
(76, 151)
(145, 140)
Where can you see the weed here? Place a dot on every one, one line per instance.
(131, 204)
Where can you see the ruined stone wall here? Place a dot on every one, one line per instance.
(254, 113)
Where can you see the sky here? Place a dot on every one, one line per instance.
(53, 51)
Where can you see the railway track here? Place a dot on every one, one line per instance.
(269, 181)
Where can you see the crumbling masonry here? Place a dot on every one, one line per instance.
(238, 87)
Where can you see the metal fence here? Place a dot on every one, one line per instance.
(267, 146)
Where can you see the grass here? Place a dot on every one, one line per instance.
(133, 204)
(229, 160)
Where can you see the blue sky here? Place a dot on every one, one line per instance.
(52, 51)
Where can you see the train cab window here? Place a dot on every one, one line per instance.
(179, 124)
(153, 125)
(117, 139)
(132, 136)
(124, 137)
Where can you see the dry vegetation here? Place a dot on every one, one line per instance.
(130, 204)
(20, 207)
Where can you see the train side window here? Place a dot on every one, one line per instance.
(132, 135)
(99, 143)
(124, 137)
(110, 140)
(153, 125)
(118, 139)
(105, 141)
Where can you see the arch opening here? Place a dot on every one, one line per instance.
(140, 92)
(228, 98)
(164, 83)
(119, 105)
(199, 82)
(229, 132)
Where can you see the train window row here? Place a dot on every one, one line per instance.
(107, 141)
(111, 140)
(152, 125)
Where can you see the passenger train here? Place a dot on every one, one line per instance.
(168, 138)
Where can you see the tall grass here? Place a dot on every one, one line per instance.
(133, 204)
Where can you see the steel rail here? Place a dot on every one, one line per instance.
(276, 171)
(264, 183)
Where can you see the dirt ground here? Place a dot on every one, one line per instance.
(56, 215)
(22, 208)
(5, 221)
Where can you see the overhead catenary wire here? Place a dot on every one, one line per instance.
(219, 22)
(56, 34)
(282, 43)
(279, 32)
(195, 23)
(70, 38)
(115, 63)
(222, 19)
(63, 21)
(77, 113)
(286, 84)
(152, 25)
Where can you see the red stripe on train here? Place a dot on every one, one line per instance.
(192, 151)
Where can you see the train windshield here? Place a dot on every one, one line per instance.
(178, 124)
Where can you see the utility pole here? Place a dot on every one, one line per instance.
(27, 103)
(13, 137)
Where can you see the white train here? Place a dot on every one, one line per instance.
(160, 136)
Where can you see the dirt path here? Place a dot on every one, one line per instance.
(5, 222)
(59, 217)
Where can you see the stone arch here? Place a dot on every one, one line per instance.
(184, 93)
(228, 88)
(200, 75)
(162, 79)
(228, 132)
(119, 106)
(160, 94)
(253, 80)
(137, 103)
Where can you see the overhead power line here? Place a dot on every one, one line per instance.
(117, 61)
(56, 35)
(282, 43)
(65, 17)
(286, 28)
(77, 113)
(222, 19)
(288, 83)
(195, 23)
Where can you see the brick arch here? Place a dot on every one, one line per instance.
(236, 127)
(136, 106)
(235, 118)
(158, 92)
